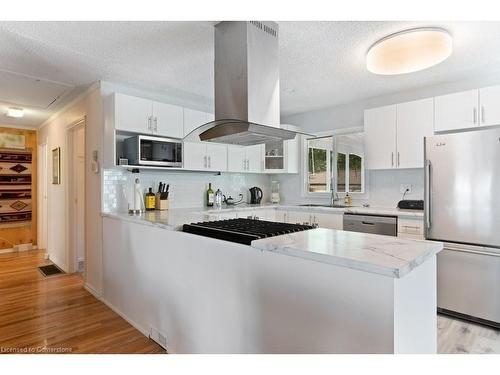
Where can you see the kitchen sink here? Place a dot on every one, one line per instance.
(324, 205)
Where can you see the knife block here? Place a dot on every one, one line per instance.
(161, 204)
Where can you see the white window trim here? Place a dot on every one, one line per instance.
(304, 191)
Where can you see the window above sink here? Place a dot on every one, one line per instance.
(337, 155)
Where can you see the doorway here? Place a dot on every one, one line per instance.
(43, 197)
(76, 161)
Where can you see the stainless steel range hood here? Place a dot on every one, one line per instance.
(247, 94)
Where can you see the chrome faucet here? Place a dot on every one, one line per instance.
(334, 196)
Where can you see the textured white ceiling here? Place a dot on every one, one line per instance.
(322, 63)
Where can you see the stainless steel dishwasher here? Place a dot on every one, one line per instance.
(386, 225)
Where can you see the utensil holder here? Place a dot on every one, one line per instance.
(161, 204)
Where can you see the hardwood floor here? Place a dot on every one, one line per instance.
(57, 315)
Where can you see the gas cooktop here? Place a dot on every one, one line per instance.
(242, 231)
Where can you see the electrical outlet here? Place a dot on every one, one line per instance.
(405, 188)
(158, 337)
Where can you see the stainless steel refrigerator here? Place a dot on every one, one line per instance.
(462, 209)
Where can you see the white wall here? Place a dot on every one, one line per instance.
(54, 132)
(187, 189)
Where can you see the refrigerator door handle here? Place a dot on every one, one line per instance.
(427, 194)
(470, 251)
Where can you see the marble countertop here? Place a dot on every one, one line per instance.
(384, 255)
(174, 218)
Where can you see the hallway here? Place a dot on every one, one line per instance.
(57, 315)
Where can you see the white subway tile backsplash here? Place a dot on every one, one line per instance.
(187, 189)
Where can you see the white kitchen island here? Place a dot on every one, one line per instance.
(318, 291)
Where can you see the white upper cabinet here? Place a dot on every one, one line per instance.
(254, 158)
(195, 156)
(489, 111)
(168, 120)
(133, 114)
(217, 157)
(394, 135)
(380, 137)
(414, 122)
(456, 111)
(203, 156)
(139, 115)
(236, 159)
(193, 119)
(244, 159)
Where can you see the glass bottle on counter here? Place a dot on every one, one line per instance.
(210, 195)
(150, 200)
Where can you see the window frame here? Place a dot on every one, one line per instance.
(304, 167)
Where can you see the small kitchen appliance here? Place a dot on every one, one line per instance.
(153, 151)
(255, 195)
(275, 192)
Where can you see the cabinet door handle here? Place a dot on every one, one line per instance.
(398, 159)
(149, 123)
(156, 124)
(474, 115)
(205, 161)
(209, 162)
(392, 159)
(482, 114)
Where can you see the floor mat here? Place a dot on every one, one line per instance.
(50, 270)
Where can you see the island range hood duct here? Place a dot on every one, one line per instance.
(247, 89)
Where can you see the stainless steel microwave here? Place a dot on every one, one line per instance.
(153, 151)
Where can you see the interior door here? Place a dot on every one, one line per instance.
(169, 120)
(79, 194)
(380, 137)
(462, 203)
(489, 98)
(43, 191)
(415, 120)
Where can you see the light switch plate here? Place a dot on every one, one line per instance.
(403, 187)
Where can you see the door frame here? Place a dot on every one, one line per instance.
(71, 252)
(43, 183)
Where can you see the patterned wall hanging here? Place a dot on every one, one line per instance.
(15, 188)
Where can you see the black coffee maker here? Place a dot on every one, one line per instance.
(255, 195)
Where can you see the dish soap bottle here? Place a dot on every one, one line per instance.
(150, 200)
(348, 199)
(210, 195)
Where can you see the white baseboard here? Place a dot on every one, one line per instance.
(92, 290)
(145, 331)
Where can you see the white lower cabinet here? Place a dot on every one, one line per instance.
(203, 156)
(411, 228)
(330, 220)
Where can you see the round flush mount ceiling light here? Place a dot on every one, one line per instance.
(409, 51)
(15, 112)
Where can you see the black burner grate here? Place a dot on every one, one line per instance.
(243, 230)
